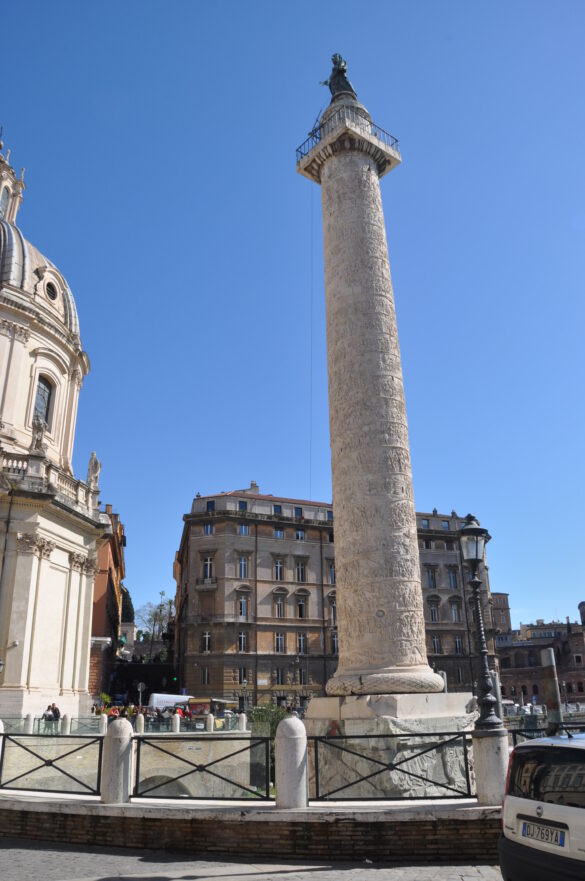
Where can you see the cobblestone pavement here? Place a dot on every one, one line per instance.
(29, 861)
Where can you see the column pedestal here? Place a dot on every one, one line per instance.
(386, 730)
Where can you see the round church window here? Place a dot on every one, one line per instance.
(51, 291)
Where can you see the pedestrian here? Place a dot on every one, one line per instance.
(48, 720)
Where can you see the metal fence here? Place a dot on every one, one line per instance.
(66, 764)
(212, 766)
(347, 114)
(390, 767)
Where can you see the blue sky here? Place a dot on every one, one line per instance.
(159, 141)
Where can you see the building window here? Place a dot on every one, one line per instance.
(455, 613)
(298, 512)
(211, 505)
(244, 529)
(434, 610)
(460, 675)
(242, 506)
(206, 642)
(208, 529)
(278, 532)
(302, 676)
(331, 538)
(425, 523)
(513, 690)
(535, 689)
(208, 567)
(503, 690)
(458, 645)
(242, 641)
(427, 544)
(301, 607)
(453, 579)
(580, 687)
(243, 606)
(301, 571)
(334, 643)
(278, 570)
(330, 515)
(449, 545)
(279, 643)
(431, 579)
(331, 572)
(524, 689)
(578, 659)
(280, 675)
(243, 567)
(436, 644)
(4, 202)
(277, 509)
(204, 675)
(445, 524)
(301, 643)
(333, 607)
(43, 399)
(300, 534)
(242, 676)
(569, 688)
(279, 607)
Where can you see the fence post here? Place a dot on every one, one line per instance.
(209, 720)
(175, 723)
(139, 723)
(242, 722)
(116, 782)
(29, 723)
(291, 764)
(490, 764)
(66, 724)
(103, 723)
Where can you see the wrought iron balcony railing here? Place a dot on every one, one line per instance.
(349, 114)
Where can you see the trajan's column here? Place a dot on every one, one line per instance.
(381, 625)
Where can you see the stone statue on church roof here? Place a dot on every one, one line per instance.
(338, 81)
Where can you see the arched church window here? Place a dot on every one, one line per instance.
(43, 399)
(4, 202)
(51, 291)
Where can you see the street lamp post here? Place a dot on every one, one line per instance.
(473, 541)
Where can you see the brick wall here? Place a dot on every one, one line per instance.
(337, 837)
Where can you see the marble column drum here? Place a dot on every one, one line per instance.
(380, 612)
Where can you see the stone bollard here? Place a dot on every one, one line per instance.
(490, 763)
(103, 724)
(29, 723)
(66, 724)
(117, 763)
(175, 723)
(242, 722)
(209, 722)
(291, 764)
(139, 724)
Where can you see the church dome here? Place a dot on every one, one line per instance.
(25, 270)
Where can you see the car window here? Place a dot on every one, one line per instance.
(555, 775)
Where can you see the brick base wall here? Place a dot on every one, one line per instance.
(473, 838)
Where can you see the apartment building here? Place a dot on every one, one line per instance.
(256, 615)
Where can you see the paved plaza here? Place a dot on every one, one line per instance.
(24, 861)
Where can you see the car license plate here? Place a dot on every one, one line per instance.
(546, 834)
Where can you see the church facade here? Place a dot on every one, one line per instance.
(51, 527)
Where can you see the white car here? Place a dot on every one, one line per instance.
(543, 813)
